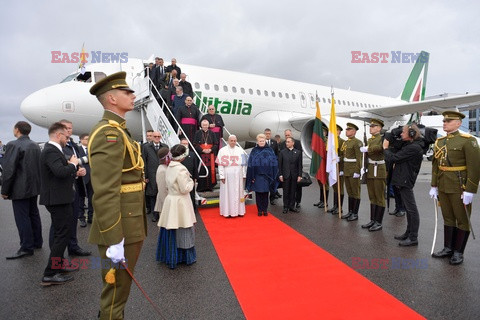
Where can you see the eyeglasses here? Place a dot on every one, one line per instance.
(156, 136)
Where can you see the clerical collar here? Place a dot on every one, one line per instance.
(290, 148)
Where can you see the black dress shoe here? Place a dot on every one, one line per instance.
(89, 221)
(368, 225)
(294, 210)
(393, 213)
(317, 204)
(285, 210)
(408, 243)
(83, 223)
(400, 213)
(265, 213)
(272, 202)
(57, 278)
(20, 254)
(353, 217)
(376, 227)
(259, 213)
(457, 258)
(346, 215)
(298, 206)
(402, 236)
(155, 216)
(445, 252)
(79, 252)
(278, 195)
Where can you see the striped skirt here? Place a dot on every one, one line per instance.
(176, 246)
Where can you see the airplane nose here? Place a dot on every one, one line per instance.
(34, 106)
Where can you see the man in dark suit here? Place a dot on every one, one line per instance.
(187, 86)
(158, 74)
(150, 158)
(57, 178)
(173, 67)
(297, 145)
(191, 163)
(70, 149)
(21, 184)
(83, 155)
(290, 173)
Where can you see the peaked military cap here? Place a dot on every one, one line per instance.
(351, 126)
(376, 122)
(339, 128)
(113, 81)
(452, 115)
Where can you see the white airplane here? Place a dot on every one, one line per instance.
(248, 103)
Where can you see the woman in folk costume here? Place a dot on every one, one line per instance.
(262, 173)
(164, 157)
(176, 241)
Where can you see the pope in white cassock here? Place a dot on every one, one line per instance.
(232, 169)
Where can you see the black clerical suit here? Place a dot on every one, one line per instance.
(290, 168)
(57, 177)
(297, 145)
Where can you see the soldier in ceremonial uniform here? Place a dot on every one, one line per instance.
(455, 175)
(376, 176)
(119, 221)
(352, 163)
(334, 209)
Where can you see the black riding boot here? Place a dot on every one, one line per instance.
(378, 219)
(334, 209)
(460, 244)
(350, 208)
(373, 209)
(449, 234)
(354, 215)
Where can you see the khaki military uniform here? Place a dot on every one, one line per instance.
(455, 154)
(377, 172)
(119, 204)
(352, 163)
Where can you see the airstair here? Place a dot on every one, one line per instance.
(154, 110)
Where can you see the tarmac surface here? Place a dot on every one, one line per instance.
(430, 286)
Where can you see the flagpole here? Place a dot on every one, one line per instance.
(324, 198)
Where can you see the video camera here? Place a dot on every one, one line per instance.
(427, 135)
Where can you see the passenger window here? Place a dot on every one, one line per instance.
(286, 95)
(259, 92)
(250, 91)
(225, 88)
(197, 85)
(207, 86)
(273, 94)
(293, 96)
(215, 86)
(265, 93)
(242, 90)
(234, 89)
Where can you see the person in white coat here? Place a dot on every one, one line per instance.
(232, 169)
(176, 241)
(164, 157)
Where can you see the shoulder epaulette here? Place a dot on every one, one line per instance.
(465, 135)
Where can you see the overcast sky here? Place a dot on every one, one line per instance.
(308, 41)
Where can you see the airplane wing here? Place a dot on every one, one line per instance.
(461, 102)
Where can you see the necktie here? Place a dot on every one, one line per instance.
(268, 142)
(156, 147)
(86, 151)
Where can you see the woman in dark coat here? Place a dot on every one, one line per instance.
(262, 173)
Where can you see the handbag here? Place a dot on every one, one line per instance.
(306, 180)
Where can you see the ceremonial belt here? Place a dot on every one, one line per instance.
(132, 187)
(349, 160)
(188, 121)
(461, 168)
(215, 129)
(375, 164)
(212, 160)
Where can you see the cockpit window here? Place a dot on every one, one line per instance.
(69, 78)
(86, 77)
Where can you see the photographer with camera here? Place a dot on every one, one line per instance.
(394, 142)
(407, 162)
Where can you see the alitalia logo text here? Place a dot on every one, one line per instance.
(222, 106)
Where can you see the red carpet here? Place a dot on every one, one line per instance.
(277, 273)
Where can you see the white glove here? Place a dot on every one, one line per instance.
(356, 175)
(116, 252)
(340, 173)
(362, 171)
(364, 149)
(467, 197)
(433, 192)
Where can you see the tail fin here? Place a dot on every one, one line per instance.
(415, 87)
